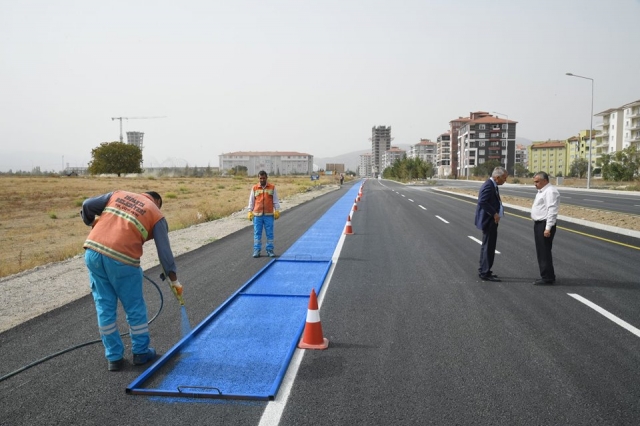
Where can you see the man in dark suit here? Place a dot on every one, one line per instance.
(488, 213)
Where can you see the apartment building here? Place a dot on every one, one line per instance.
(550, 157)
(588, 144)
(391, 155)
(443, 154)
(425, 150)
(522, 156)
(574, 150)
(482, 138)
(456, 156)
(365, 169)
(273, 162)
(380, 143)
(620, 128)
(631, 129)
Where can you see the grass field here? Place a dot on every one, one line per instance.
(40, 221)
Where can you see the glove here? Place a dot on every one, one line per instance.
(176, 287)
(250, 216)
(276, 215)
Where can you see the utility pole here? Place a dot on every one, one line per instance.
(591, 126)
(131, 118)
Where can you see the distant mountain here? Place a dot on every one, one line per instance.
(350, 160)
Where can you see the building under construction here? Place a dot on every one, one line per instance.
(135, 138)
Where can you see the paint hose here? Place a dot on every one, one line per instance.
(81, 345)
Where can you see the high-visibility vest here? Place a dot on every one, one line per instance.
(263, 204)
(124, 225)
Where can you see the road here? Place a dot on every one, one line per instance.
(415, 336)
(627, 202)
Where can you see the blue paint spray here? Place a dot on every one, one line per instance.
(185, 326)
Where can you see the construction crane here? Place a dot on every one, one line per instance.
(131, 118)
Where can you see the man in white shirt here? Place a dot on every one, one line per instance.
(544, 213)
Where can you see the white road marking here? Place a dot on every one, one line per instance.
(410, 200)
(422, 207)
(479, 242)
(273, 412)
(606, 314)
(595, 201)
(441, 219)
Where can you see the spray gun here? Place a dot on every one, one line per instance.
(176, 288)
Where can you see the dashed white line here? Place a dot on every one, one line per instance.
(606, 314)
(475, 239)
(410, 200)
(422, 207)
(441, 219)
(594, 201)
(479, 242)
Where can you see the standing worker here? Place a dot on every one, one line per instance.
(264, 207)
(489, 210)
(121, 223)
(544, 213)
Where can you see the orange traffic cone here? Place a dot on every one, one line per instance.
(312, 336)
(355, 206)
(348, 230)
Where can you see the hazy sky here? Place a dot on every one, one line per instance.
(299, 75)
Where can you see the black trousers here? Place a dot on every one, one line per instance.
(543, 249)
(488, 249)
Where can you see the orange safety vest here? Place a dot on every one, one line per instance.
(124, 225)
(263, 204)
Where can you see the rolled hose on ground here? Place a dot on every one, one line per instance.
(81, 345)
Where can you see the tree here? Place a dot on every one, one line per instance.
(579, 168)
(409, 168)
(115, 157)
(485, 169)
(521, 170)
(621, 165)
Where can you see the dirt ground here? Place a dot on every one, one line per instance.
(31, 293)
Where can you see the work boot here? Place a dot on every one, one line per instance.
(116, 365)
(139, 359)
(256, 253)
(270, 253)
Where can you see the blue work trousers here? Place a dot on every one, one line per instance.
(112, 280)
(260, 222)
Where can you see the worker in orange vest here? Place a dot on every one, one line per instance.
(264, 208)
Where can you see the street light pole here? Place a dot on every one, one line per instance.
(591, 128)
(506, 144)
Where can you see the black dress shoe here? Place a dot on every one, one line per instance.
(542, 281)
(493, 278)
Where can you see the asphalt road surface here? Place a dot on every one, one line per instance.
(627, 202)
(415, 336)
